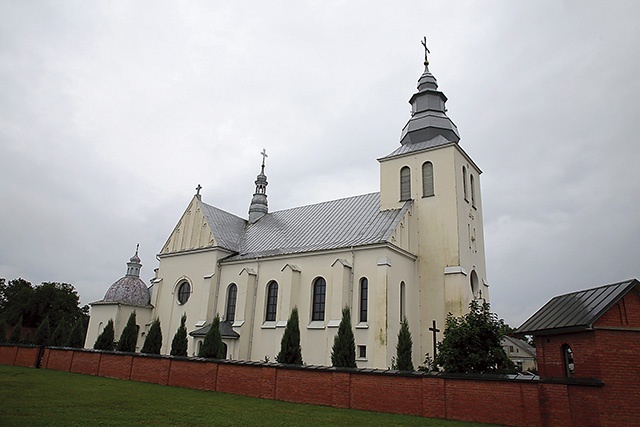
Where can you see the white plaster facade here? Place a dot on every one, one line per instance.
(429, 262)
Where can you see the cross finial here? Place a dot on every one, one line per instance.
(264, 155)
(198, 188)
(137, 247)
(426, 50)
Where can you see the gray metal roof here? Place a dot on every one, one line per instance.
(353, 221)
(436, 141)
(227, 228)
(226, 331)
(576, 311)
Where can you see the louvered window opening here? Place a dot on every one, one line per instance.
(405, 183)
(427, 179)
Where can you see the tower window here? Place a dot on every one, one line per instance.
(427, 179)
(405, 183)
(464, 183)
(403, 302)
(364, 295)
(475, 286)
(473, 193)
(319, 292)
(184, 292)
(232, 297)
(272, 301)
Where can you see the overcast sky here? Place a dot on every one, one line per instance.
(112, 112)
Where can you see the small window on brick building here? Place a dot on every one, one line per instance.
(362, 352)
(567, 357)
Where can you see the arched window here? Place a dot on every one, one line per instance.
(319, 292)
(405, 183)
(464, 182)
(473, 192)
(364, 295)
(232, 297)
(403, 302)
(184, 292)
(567, 357)
(272, 301)
(427, 179)
(474, 283)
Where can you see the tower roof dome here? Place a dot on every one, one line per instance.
(129, 289)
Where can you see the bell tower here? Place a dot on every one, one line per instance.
(431, 170)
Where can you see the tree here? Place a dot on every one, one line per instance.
(60, 335)
(27, 338)
(153, 342)
(290, 350)
(403, 360)
(58, 301)
(129, 336)
(471, 342)
(77, 335)
(105, 339)
(43, 333)
(213, 347)
(343, 352)
(179, 344)
(3, 331)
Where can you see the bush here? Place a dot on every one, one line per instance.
(153, 342)
(129, 336)
(77, 335)
(3, 331)
(105, 339)
(60, 334)
(43, 333)
(290, 350)
(179, 343)
(403, 360)
(16, 334)
(213, 347)
(343, 352)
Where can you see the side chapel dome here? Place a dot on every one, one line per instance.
(129, 289)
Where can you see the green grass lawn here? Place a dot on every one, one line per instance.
(39, 397)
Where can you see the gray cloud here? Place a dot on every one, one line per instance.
(111, 114)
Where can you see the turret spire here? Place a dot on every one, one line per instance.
(259, 206)
(428, 112)
(133, 266)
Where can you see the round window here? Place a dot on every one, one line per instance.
(184, 292)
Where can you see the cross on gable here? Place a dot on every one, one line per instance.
(198, 188)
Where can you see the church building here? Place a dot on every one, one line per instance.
(414, 249)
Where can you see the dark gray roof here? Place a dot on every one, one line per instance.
(225, 330)
(226, 227)
(436, 141)
(576, 311)
(353, 221)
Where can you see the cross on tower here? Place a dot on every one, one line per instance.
(426, 49)
(264, 155)
(435, 338)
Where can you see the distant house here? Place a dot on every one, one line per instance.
(520, 352)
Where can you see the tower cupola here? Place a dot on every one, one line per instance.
(428, 112)
(259, 206)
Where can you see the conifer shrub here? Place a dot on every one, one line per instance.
(77, 335)
(3, 331)
(404, 346)
(129, 336)
(105, 339)
(16, 334)
(27, 338)
(43, 333)
(179, 343)
(213, 347)
(343, 352)
(290, 350)
(60, 334)
(153, 342)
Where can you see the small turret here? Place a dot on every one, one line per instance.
(259, 206)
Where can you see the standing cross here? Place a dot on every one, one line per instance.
(426, 50)
(198, 188)
(435, 331)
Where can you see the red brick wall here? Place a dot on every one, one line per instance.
(395, 394)
(625, 312)
(87, 363)
(113, 365)
(304, 386)
(193, 374)
(8, 354)
(586, 355)
(150, 369)
(59, 360)
(27, 356)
